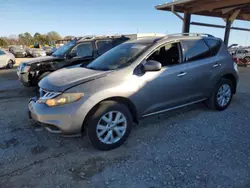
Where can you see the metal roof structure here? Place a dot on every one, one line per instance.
(229, 10)
(215, 8)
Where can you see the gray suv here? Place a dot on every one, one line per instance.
(136, 79)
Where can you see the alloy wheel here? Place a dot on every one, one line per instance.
(224, 95)
(111, 127)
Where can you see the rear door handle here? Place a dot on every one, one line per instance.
(182, 74)
(216, 65)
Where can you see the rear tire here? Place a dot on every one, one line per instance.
(222, 95)
(247, 59)
(10, 64)
(104, 130)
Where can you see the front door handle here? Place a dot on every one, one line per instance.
(181, 74)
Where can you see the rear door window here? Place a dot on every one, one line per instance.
(195, 50)
(119, 41)
(84, 49)
(214, 46)
(103, 46)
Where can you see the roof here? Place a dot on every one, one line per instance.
(215, 8)
(146, 40)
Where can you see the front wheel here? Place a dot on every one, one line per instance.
(109, 125)
(222, 95)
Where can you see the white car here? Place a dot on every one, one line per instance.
(37, 52)
(7, 59)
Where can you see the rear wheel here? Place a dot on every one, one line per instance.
(10, 64)
(109, 125)
(247, 59)
(222, 95)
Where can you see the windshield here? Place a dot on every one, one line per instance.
(118, 57)
(64, 49)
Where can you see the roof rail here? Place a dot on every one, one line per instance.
(87, 37)
(191, 34)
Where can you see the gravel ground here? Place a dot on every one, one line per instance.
(19, 60)
(191, 147)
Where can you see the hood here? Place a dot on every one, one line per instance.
(41, 59)
(66, 78)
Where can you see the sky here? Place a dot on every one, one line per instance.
(98, 17)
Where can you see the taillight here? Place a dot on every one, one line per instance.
(235, 59)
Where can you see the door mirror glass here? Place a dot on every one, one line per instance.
(152, 65)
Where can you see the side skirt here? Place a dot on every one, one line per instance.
(173, 108)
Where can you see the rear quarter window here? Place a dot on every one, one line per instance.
(214, 46)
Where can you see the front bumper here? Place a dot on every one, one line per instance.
(24, 78)
(65, 119)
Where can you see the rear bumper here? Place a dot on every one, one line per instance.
(20, 55)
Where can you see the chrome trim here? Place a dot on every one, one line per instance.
(44, 95)
(53, 131)
(182, 74)
(173, 108)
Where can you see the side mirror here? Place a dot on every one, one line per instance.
(152, 65)
(72, 54)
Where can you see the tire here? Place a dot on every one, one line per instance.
(97, 116)
(213, 101)
(247, 59)
(43, 75)
(10, 64)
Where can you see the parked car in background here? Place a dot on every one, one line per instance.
(28, 51)
(37, 52)
(17, 51)
(243, 54)
(78, 51)
(136, 79)
(7, 59)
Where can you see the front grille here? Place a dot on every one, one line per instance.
(47, 94)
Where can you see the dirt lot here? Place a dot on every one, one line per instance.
(19, 60)
(192, 147)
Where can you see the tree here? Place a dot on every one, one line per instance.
(28, 38)
(69, 37)
(53, 35)
(13, 40)
(4, 42)
(21, 39)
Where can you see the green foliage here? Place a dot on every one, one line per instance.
(27, 39)
(4, 42)
(69, 37)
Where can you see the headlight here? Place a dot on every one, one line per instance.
(235, 67)
(64, 98)
(25, 68)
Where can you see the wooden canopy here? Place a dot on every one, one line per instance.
(237, 9)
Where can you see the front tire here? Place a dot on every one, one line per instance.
(109, 126)
(222, 95)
